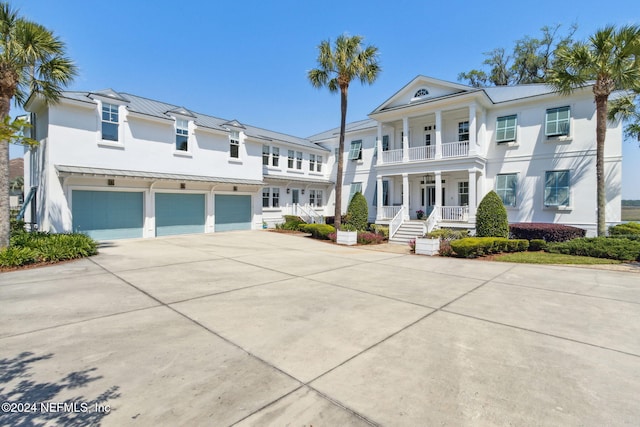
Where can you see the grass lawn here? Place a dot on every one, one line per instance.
(548, 258)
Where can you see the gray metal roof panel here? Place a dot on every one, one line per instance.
(350, 127)
(304, 180)
(84, 171)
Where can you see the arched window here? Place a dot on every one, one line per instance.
(420, 93)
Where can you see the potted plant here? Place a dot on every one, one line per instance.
(420, 213)
(427, 246)
(347, 235)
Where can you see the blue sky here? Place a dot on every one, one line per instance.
(248, 59)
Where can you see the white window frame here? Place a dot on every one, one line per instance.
(291, 157)
(234, 142)
(266, 153)
(319, 163)
(562, 126)
(315, 198)
(299, 160)
(356, 187)
(182, 131)
(555, 189)
(110, 110)
(275, 197)
(506, 128)
(312, 162)
(502, 189)
(461, 193)
(266, 197)
(463, 131)
(355, 150)
(275, 156)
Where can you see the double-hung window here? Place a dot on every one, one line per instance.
(110, 120)
(265, 155)
(319, 164)
(290, 158)
(506, 187)
(312, 162)
(463, 193)
(557, 188)
(463, 131)
(270, 197)
(275, 156)
(182, 135)
(506, 129)
(234, 144)
(315, 198)
(355, 152)
(557, 121)
(266, 195)
(298, 159)
(356, 187)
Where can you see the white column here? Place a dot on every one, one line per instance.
(473, 130)
(380, 195)
(405, 139)
(379, 145)
(472, 195)
(438, 134)
(482, 131)
(405, 195)
(439, 201)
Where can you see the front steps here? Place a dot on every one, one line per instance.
(407, 231)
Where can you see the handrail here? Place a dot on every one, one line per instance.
(308, 214)
(432, 220)
(396, 222)
(23, 209)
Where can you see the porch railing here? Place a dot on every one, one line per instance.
(422, 153)
(392, 156)
(455, 149)
(389, 212)
(307, 214)
(396, 222)
(454, 213)
(431, 220)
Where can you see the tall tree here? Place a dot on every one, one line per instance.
(527, 63)
(32, 60)
(610, 60)
(348, 60)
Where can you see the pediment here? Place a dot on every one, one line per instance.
(234, 124)
(108, 95)
(422, 89)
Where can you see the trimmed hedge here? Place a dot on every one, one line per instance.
(318, 231)
(537, 245)
(358, 212)
(448, 234)
(477, 246)
(491, 217)
(599, 247)
(627, 229)
(545, 231)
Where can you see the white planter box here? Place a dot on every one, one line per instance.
(427, 246)
(347, 237)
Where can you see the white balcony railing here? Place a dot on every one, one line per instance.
(389, 212)
(422, 153)
(455, 149)
(392, 156)
(454, 213)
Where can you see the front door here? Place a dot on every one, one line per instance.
(295, 196)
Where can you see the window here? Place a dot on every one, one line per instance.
(275, 156)
(291, 155)
(355, 153)
(463, 131)
(110, 122)
(385, 143)
(275, 197)
(463, 193)
(319, 164)
(312, 162)
(385, 194)
(506, 185)
(557, 121)
(315, 198)
(182, 135)
(234, 144)
(266, 194)
(265, 155)
(270, 197)
(506, 128)
(556, 188)
(427, 139)
(420, 93)
(356, 187)
(298, 159)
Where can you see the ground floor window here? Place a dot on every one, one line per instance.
(506, 185)
(315, 198)
(356, 187)
(557, 188)
(271, 197)
(463, 193)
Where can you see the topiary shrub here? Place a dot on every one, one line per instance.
(358, 212)
(491, 217)
(545, 231)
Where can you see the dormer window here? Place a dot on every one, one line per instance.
(110, 120)
(234, 144)
(182, 135)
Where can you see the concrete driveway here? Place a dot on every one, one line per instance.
(265, 329)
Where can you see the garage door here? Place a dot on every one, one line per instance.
(179, 213)
(233, 212)
(107, 215)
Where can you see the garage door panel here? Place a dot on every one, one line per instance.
(178, 213)
(233, 212)
(107, 215)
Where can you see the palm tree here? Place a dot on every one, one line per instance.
(610, 60)
(32, 61)
(348, 60)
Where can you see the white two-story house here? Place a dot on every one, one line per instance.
(116, 165)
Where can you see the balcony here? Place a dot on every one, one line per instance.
(427, 152)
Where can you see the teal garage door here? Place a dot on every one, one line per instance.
(233, 212)
(179, 213)
(107, 215)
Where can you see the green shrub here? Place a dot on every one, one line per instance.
(599, 247)
(292, 222)
(491, 217)
(478, 246)
(537, 245)
(15, 256)
(318, 231)
(358, 212)
(17, 226)
(627, 229)
(448, 234)
(383, 230)
(27, 248)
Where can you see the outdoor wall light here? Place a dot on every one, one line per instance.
(183, 186)
(235, 188)
(303, 191)
(288, 190)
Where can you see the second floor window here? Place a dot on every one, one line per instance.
(298, 159)
(182, 135)
(265, 155)
(557, 121)
(312, 162)
(290, 158)
(463, 131)
(275, 156)
(506, 129)
(110, 120)
(234, 144)
(355, 152)
(319, 164)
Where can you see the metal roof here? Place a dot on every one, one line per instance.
(350, 127)
(302, 180)
(64, 170)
